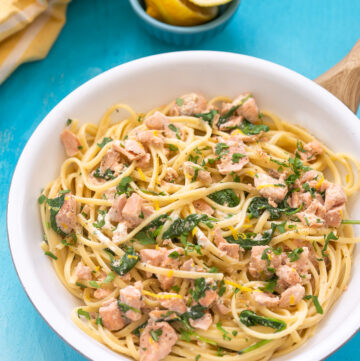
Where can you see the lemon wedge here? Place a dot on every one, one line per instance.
(206, 3)
(180, 12)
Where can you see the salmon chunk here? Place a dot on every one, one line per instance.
(265, 299)
(112, 161)
(334, 196)
(189, 104)
(202, 323)
(232, 155)
(210, 297)
(258, 267)
(132, 210)
(203, 207)
(292, 296)
(83, 272)
(102, 293)
(271, 188)
(66, 217)
(132, 297)
(202, 175)
(311, 151)
(132, 149)
(248, 108)
(116, 209)
(111, 316)
(157, 121)
(149, 137)
(156, 349)
(70, 141)
(171, 175)
(174, 304)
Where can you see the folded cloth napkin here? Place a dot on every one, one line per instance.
(28, 29)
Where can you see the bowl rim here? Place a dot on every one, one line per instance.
(173, 56)
(225, 16)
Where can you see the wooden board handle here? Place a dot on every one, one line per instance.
(343, 80)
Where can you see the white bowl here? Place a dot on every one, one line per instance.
(144, 84)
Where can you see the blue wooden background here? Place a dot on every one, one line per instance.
(305, 35)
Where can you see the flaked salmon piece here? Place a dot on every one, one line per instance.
(102, 293)
(132, 149)
(70, 141)
(271, 188)
(302, 265)
(265, 299)
(162, 315)
(189, 104)
(292, 296)
(120, 232)
(109, 194)
(202, 323)
(312, 178)
(132, 297)
(117, 207)
(218, 237)
(258, 267)
(174, 304)
(132, 210)
(144, 162)
(230, 249)
(157, 121)
(147, 210)
(233, 156)
(311, 151)
(248, 108)
(203, 207)
(171, 175)
(111, 316)
(111, 160)
(83, 272)
(334, 196)
(160, 258)
(313, 216)
(156, 349)
(232, 123)
(220, 307)
(287, 276)
(148, 137)
(333, 217)
(66, 217)
(202, 175)
(210, 297)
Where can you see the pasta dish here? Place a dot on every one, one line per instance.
(201, 230)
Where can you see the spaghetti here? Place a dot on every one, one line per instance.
(201, 230)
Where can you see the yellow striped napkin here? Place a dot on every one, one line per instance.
(28, 29)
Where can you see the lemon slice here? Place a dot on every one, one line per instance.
(206, 3)
(180, 12)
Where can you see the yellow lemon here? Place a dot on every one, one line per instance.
(206, 3)
(180, 12)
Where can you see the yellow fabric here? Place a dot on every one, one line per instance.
(28, 29)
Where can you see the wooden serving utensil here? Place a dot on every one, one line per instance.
(343, 79)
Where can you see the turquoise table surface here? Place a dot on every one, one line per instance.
(304, 35)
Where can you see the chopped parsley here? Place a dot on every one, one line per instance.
(104, 142)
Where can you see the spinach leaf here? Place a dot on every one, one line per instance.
(207, 117)
(139, 329)
(248, 240)
(55, 205)
(252, 129)
(200, 287)
(254, 346)
(270, 285)
(155, 334)
(149, 233)
(249, 318)
(186, 225)
(259, 205)
(126, 263)
(225, 197)
(124, 186)
(194, 313)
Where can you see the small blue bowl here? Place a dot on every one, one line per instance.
(185, 35)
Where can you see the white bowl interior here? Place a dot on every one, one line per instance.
(144, 84)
